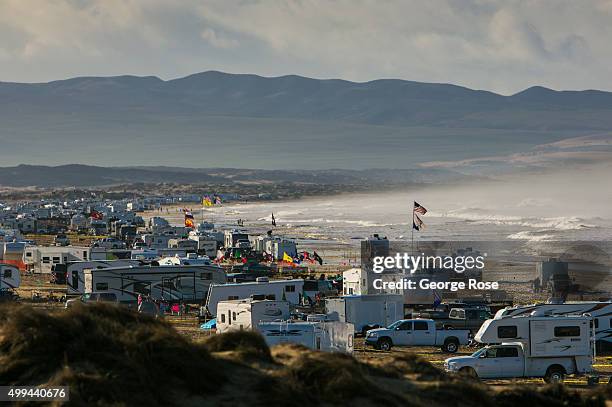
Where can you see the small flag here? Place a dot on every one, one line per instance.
(287, 258)
(317, 258)
(419, 209)
(417, 223)
(96, 215)
(217, 200)
(273, 220)
(437, 299)
(189, 219)
(207, 202)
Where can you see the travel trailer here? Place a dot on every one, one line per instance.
(171, 283)
(548, 346)
(366, 311)
(245, 314)
(41, 259)
(326, 336)
(75, 272)
(192, 259)
(9, 277)
(506, 320)
(261, 289)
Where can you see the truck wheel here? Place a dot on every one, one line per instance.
(469, 372)
(555, 374)
(384, 344)
(450, 346)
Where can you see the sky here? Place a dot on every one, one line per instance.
(504, 46)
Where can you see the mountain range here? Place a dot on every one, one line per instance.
(215, 119)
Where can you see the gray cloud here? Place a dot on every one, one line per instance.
(502, 45)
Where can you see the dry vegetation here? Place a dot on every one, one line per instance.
(111, 356)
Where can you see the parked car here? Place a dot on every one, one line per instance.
(417, 332)
(110, 243)
(61, 240)
(89, 298)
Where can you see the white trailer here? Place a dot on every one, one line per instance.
(329, 336)
(245, 314)
(171, 283)
(75, 272)
(504, 326)
(261, 289)
(41, 259)
(550, 347)
(366, 311)
(9, 277)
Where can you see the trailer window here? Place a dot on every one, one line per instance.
(420, 326)
(56, 260)
(271, 297)
(222, 318)
(290, 288)
(101, 286)
(234, 316)
(8, 273)
(232, 297)
(565, 331)
(46, 260)
(507, 331)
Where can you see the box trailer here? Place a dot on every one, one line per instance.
(245, 314)
(261, 289)
(366, 311)
(10, 277)
(326, 336)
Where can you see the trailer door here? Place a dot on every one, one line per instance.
(390, 313)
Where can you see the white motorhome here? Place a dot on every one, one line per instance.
(367, 311)
(245, 314)
(75, 272)
(261, 289)
(505, 323)
(9, 277)
(327, 336)
(549, 347)
(171, 283)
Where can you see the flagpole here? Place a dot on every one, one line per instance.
(412, 233)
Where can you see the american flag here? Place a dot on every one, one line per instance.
(417, 223)
(419, 209)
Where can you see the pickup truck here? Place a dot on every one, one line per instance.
(417, 332)
(457, 318)
(510, 360)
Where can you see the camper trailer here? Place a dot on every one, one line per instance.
(41, 259)
(549, 347)
(261, 289)
(245, 314)
(327, 336)
(9, 277)
(171, 283)
(600, 311)
(192, 259)
(367, 311)
(75, 275)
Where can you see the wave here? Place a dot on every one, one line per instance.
(531, 236)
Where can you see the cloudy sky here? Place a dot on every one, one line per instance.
(504, 45)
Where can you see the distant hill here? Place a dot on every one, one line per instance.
(227, 120)
(84, 175)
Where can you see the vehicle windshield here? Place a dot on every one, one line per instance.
(479, 352)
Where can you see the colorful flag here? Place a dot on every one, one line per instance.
(317, 258)
(287, 258)
(417, 223)
(96, 215)
(217, 200)
(437, 299)
(206, 201)
(189, 219)
(419, 209)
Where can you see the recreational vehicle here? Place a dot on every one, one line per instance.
(330, 336)
(75, 276)
(192, 259)
(238, 315)
(9, 277)
(505, 321)
(261, 289)
(41, 259)
(549, 347)
(171, 283)
(367, 311)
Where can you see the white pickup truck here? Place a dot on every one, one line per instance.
(417, 332)
(511, 360)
